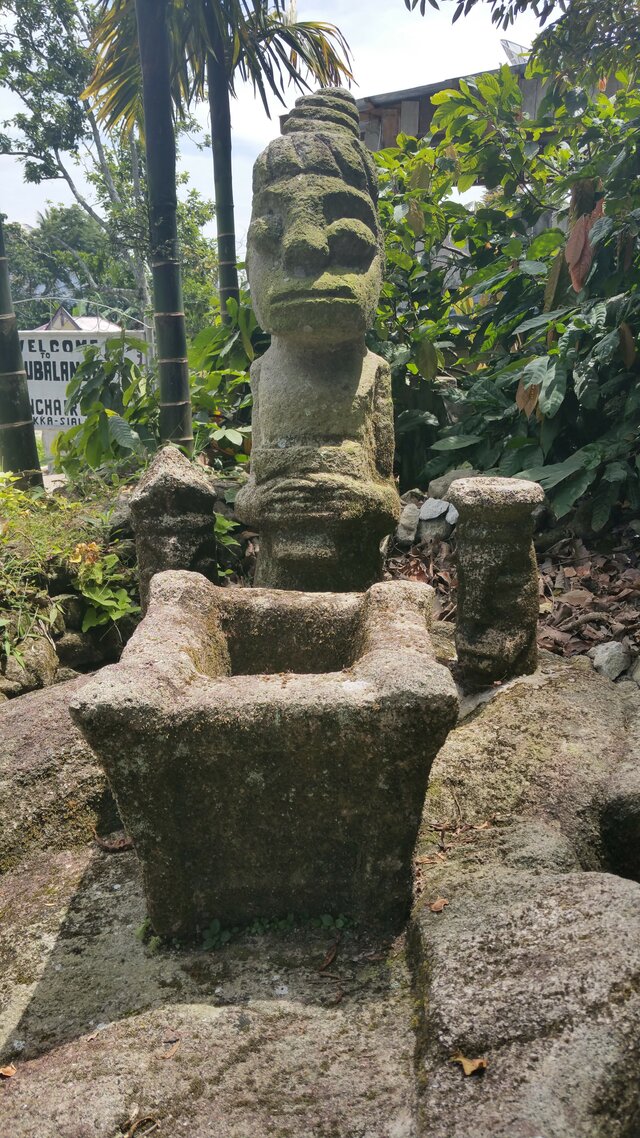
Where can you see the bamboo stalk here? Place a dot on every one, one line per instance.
(219, 106)
(18, 450)
(160, 147)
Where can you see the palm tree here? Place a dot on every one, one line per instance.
(18, 450)
(213, 42)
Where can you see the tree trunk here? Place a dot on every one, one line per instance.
(219, 105)
(160, 147)
(18, 450)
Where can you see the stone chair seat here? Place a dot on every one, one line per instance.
(269, 751)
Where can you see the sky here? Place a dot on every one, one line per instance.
(392, 49)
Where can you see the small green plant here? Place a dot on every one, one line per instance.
(215, 936)
(51, 544)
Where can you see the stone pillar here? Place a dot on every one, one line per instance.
(173, 519)
(497, 578)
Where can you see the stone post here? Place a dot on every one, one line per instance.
(497, 578)
(173, 519)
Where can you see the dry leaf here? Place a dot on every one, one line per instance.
(170, 1053)
(438, 905)
(575, 244)
(527, 398)
(8, 1072)
(330, 957)
(627, 344)
(469, 1066)
(116, 845)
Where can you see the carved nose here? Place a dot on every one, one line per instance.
(305, 249)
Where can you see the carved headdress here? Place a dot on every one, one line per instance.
(321, 135)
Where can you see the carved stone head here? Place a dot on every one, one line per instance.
(315, 246)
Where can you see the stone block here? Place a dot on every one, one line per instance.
(269, 751)
(173, 517)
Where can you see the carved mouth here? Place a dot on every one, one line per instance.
(338, 292)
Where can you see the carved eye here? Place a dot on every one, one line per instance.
(349, 204)
(266, 231)
(352, 243)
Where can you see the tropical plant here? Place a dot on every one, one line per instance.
(18, 450)
(213, 43)
(520, 312)
(119, 400)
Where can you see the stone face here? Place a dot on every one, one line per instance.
(269, 751)
(173, 517)
(321, 491)
(497, 578)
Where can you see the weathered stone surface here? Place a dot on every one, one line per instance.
(52, 790)
(540, 975)
(533, 961)
(439, 487)
(408, 525)
(610, 659)
(36, 669)
(269, 751)
(497, 611)
(321, 491)
(268, 1045)
(534, 964)
(173, 515)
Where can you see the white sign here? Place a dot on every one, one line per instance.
(50, 361)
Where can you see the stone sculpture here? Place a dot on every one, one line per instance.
(321, 491)
(498, 603)
(269, 750)
(173, 519)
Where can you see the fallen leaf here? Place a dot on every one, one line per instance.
(438, 905)
(469, 1066)
(8, 1072)
(170, 1053)
(142, 1122)
(116, 845)
(330, 957)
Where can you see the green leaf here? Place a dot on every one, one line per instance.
(533, 268)
(553, 389)
(456, 442)
(426, 358)
(573, 488)
(123, 434)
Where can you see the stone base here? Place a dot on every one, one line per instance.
(269, 751)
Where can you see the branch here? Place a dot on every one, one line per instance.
(76, 192)
(78, 259)
(102, 158)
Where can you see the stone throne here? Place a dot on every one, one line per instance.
(269, 751)
(268, 748)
